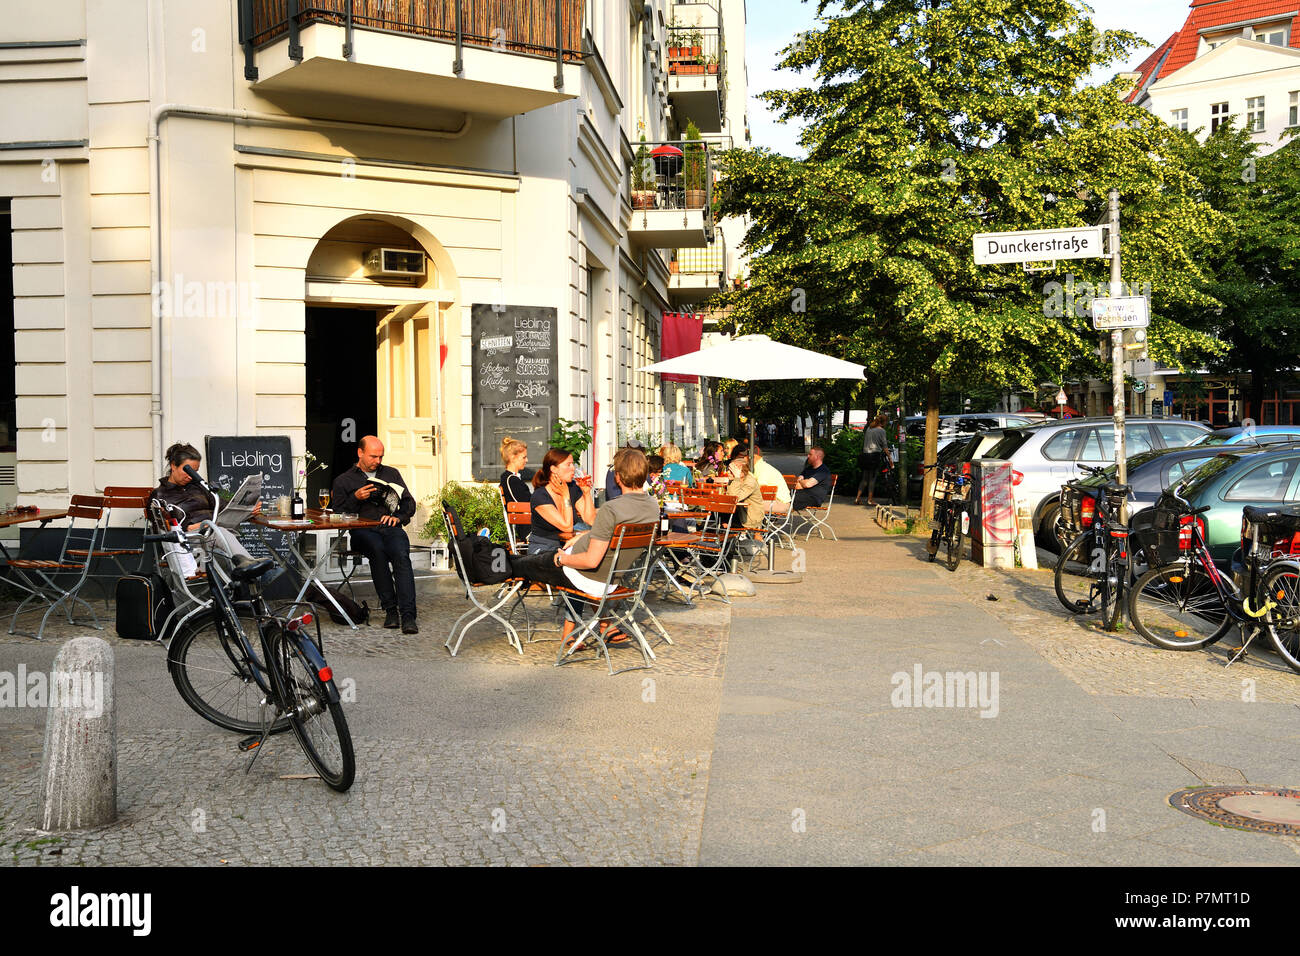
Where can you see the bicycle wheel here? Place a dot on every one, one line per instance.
(1178, 608)
(1112, 590)
(318, 724)
(952, 542)
(1281, 585)
(215, 677)
(1078, 585)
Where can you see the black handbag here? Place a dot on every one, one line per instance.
(143, 604)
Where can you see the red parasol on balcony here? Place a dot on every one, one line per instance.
(668, 159)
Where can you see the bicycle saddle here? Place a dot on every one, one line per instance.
(1287, 518)
(246, 569)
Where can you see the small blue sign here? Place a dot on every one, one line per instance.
(1169, 397)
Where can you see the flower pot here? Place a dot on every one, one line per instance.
(713, 68)
(643, 198)
(676, 52)
(690, 69)
(672, 69)
(673, 266)
(694, 51)
(695, 198)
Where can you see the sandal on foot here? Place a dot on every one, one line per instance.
(570, 641)
(613, 636)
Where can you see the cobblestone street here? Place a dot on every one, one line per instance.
(767, 733)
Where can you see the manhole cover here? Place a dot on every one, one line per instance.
(1266, 809)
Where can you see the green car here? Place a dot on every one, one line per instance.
(1262, 477)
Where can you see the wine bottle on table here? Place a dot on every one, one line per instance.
(298, 507)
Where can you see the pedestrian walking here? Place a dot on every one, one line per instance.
(875, 450)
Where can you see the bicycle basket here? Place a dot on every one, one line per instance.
(1162, 536)
(1279, 531)
(948, 490)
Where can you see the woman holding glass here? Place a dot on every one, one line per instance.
(560, 504)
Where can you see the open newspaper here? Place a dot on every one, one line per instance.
(242, 504)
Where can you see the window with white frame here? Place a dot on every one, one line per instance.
(1294, 118)
(1218, 115)
(1274, 35)
(1255, 114)
(1178, 119)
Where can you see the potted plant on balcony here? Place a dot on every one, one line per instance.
(643, 193)
(695, 40)
(675, 40)
(673, 266)
(711, 64)
(693, 168)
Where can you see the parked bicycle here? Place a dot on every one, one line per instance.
(283, 682)
(1189, 603)
(951, 520)
(1093, 573)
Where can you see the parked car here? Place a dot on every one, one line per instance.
(952, 427)
(1152, 472)
(1045, 456)
(954, 452)
(1246, 475)
(1259, 435)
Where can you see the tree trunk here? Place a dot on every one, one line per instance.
(1255, 403)
(931, 443)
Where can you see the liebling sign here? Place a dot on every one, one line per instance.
(1038, 245)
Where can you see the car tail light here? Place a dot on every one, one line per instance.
(965, 468)
(1016, 477)
(1087, 512)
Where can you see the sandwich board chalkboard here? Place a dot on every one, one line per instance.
(232, 459)
(514, 361)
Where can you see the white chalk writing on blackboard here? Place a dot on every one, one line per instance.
(526, 407)
(530, 389)
(532, 365)
(492, 344)
(495, 376)
(532, 341)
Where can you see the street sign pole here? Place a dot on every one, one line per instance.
(1117, 355)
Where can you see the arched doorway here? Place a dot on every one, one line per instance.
(380, 298)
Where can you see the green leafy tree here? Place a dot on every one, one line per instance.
(929, 121)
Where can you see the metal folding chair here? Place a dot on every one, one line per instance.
(626, 539)
(775, 531)
(85, 524)
(120, 498)
(519, 514)
(710, 557)
(817, 517)
(505, 590)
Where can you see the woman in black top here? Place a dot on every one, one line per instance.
(514, 483)
(177, 489)
(558, 502)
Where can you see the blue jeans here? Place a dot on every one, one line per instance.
(383, 547)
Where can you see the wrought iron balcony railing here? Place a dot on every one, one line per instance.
(672, 175)
(546, 28)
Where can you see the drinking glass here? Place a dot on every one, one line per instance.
(324, 499)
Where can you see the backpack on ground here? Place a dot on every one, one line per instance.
(482, 559)
(360, 613)
(143, 604)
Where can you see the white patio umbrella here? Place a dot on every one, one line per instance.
(751, 358)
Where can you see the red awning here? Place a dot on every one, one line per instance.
(682, 332)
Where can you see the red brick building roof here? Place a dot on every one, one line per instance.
(1180, 49)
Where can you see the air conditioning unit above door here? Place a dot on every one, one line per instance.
(394, 263)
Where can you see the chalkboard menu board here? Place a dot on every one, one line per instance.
(232, 459)
(514, 359)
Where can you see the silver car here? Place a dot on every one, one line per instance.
(1045, 456)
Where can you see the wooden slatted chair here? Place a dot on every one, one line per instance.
(85, 524)
(708, 558)
(630, 546)
(503, 591)
(121, 498)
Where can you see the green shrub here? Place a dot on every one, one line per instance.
(842, 458)
(479, 506)
(571, 436)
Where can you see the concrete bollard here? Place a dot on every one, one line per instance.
(79, 768)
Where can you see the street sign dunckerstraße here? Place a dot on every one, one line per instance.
(1038, 245)
(1120, 312)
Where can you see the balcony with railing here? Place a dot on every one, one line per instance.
(697, 273)
(697, 77)
(489, 57)
(670, 189)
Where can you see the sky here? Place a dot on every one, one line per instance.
(772, 24)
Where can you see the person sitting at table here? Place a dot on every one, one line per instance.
(376, 492)
(515, 485)
(177, 489)
(612, 490)
(768, 475)
(813, 486)
(558, 503)
(710, 460)
(749, 499)
(674, 469)
(585, 563)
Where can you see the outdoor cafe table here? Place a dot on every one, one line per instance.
(664, 546)
(8, 520)
(306, 571)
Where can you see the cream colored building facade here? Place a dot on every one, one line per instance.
(194, 189)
